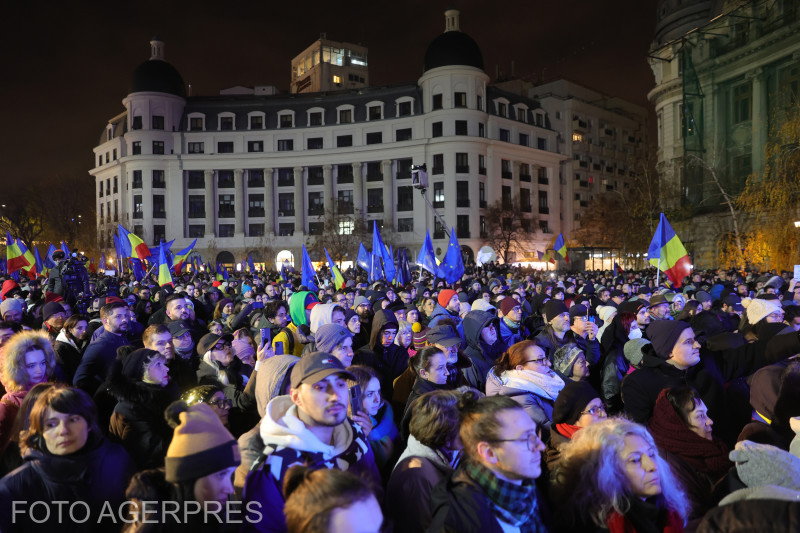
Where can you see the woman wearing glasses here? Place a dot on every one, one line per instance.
(611, 478)
(523, 374)
(211, 395)
(578, 405)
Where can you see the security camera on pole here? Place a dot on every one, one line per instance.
(419, 179)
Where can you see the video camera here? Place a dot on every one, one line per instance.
(419, 176)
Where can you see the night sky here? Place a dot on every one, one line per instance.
(66, 66)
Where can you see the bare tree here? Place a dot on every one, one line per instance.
(509, 228)
(341, 235)
(22, 214)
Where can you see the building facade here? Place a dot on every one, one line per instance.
(250, 171)
(723, 71)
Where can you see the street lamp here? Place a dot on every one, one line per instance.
(796, 223)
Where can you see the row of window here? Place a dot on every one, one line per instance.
(108, 187)
(112, 156)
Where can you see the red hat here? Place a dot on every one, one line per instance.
(311, 305)
(52, 297)
(8, 286)
(216, 284)
(445, 296)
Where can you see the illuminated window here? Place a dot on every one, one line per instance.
(346, 227)
(337, 79)
(577, 137)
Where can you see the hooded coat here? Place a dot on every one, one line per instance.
(440, 313)
(298, 327)
(289, 442)
(482, 356)
(389, 361)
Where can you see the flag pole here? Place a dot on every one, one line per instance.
(659, 229)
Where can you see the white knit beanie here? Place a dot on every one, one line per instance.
(757, 309)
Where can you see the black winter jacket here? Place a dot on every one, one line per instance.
(481, 355)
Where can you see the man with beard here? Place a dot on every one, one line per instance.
(309, 426)
(364, 312)
(102, 351)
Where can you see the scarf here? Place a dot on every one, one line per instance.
(512, 324)
(545, 385)
(513, 504)
(567, 430)
(670, 433)
(645, 516)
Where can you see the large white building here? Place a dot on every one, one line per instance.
(250, 171)
(723, 71)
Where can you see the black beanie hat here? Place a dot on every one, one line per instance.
(664, 334)
(553, 308)
(573, 399)
(133, 363)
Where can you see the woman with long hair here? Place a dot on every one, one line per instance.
(611, 478)
(524, 374)
(70, 344)
(67, 459)
(28, 359)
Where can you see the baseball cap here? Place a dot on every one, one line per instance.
(178, 328)
(734, 301)
(444, 335)
(316, 366)
(209, 340)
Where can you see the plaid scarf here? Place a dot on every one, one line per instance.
(513, 504)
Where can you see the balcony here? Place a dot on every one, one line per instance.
(525, 178)
(255, 182)
(138, 214)
(438, 204)
(158, 184)
(544, 210)
(255, 212)
(406, 206)
(374, 176)
(159, 213)
(345, 208)
(137, 184)
(544, 180)
(482, 171)
(286, 213)
(507, 205)
(526, 208)
(316, 210)
(346, 178)
(583, 164)
(226, 213)
(506, 174)
(462, 169)
(194, 183)
(285, 181)
(462, 233)
(316, 180)
(197, 214)
(376, 208)
(482, 204)
(462, 202)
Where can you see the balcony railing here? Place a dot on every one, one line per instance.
(406, 206)
(286, 213)
(525, 177)
(345, 208)
(482, 171)
(506, 174)
(138, 214)
(544, 181)
(378, 208)
(316, 211)
(526, 208)
(255, 212)
(197, 214)
(374, 176)
(482, 204)
(462, 233)
(438, 205)
(462, 169)
(226, 213)
(316, 180)
(462, 202)
(544, 210)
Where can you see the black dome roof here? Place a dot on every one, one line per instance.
(159, 76)
(453, 48)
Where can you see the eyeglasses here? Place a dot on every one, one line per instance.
(222, 346)
(531, 439)
(222, 404)
(595, 410)
(540, 361)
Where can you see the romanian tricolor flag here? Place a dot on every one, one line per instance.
(561, 247)
(15, 256)
(180, 257)
(338, 279)
(138, 249)
(31, 269)
(667, 253)
(164, 277)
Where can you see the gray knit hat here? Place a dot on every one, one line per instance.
(633, 351)
(762, 464)
(564, 358)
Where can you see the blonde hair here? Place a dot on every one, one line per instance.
(590, 478)
(14, 374)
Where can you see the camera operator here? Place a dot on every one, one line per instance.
(54, 281)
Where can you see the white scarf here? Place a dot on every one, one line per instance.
(545, 385)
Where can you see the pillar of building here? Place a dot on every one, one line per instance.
(238, 202)
(211, 211)
(269, 202)
(760, 119)
(299, 201)
(327, 186)
(358, 189)
(389, 206)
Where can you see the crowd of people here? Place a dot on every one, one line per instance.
(511, 401)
